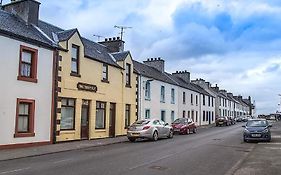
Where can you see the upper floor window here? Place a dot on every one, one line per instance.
(105, 72)
(212, 102)
(162, 95)
(204, 100)
(28, 64)
(128, 74)
(191, 98)
(196, 99)
(147, 90)
(173, 96)
(183, 97)
(209, 100)
(75, 59)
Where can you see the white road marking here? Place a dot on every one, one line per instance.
(60, 161)
(275, 148)
(270, 143)
(14, 171)
(277, 136)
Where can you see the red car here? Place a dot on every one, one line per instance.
(184, 126)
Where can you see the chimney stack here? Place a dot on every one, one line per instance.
(184, 75)
(216, 88)
(28, 10)
(114, 44)
(157, 63)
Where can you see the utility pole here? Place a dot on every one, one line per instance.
(122, 28)
(98, 36)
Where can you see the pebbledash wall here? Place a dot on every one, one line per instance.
(13, 89)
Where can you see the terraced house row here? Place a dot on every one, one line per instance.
(59, 86)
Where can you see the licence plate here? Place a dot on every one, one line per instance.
(220, 122)
(256, 135)
(176, 130)
(135, 134)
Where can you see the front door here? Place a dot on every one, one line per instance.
(85, 119)
(112, 116)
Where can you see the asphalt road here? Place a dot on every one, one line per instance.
(212, 151)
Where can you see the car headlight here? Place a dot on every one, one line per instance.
(265, 131)
(246, 130)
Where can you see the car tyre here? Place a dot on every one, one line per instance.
(155, 136)
(194, 130)
(187, 131)
(171, 134)
(132, 139)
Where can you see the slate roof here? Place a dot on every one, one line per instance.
(201, 90)
(151, 72)
(184, 84)
(120, 56)
(92, 50)
(14, 26)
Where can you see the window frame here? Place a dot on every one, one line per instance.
(72, 73)
(34, 64)
(105, 79)
(183, 98)
(172, 116)
(173, 96)
(147, 111)
(31, 116)
(127, 111)
(191, 99)
(100, 108)
(128, 75)
(74, 112)
(162, 94)
(147, 90)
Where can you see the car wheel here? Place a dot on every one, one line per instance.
(187, 131)
(171, 134)
(195, 130)
(132, 139)
(155, 136)
(245, 140)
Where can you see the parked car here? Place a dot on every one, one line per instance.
(244, 119)
(184, 126)
(152, 129)
(223, 121)
(257, 129)
(232, 120)
(239, 119)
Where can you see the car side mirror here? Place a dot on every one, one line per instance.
(166, 124)
(243, 126)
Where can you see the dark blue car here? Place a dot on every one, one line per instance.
(257, 130)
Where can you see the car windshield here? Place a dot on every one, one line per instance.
(256, 123)
(141, 122)
(180, 121)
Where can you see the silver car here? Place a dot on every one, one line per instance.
(150, 129)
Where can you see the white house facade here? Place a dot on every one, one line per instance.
(27, 85)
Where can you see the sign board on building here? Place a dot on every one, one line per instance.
(86, 87)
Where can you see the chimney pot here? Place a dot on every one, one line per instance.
(118, 38)
(114, 38)
(109, 39)
(105, 39)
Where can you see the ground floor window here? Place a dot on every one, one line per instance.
(147, 113)
(172, 116)
(163, 116)
(100, 115)
(127, 115)
(203, 116)
(212, 116)
(67, 114)
(25, 118)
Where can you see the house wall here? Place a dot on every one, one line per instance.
(154, 103)
(188, 106)
(11, 89)
(112, 92)
(208, 108)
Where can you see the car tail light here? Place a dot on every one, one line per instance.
(146, 127)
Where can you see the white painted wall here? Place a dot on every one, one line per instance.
(154, 103)
(11, 89)
(205, 108)
(188, 106)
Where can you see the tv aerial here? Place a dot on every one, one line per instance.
(122, 30)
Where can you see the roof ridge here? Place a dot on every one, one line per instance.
(51, 24)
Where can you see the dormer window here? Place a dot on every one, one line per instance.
(28, 64)
(105, 73)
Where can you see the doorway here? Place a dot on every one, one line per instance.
(112, 118)
(85, 119)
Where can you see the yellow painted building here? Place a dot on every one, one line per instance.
(97, 89)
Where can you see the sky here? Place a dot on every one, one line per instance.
(233, 43)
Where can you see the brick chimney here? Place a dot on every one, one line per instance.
(216, 88)
(28, 10)
(114, 44)
(185, 75)
(157, 63)
(230, 94)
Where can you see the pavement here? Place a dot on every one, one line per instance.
(265, 158)
(9, 154)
